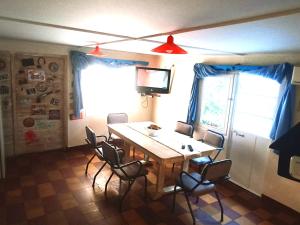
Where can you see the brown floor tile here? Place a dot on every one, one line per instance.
(27, 181)
(30, 193)
(67, 201)
(55, 175)
(34, 209)
(56, 218)
(46, 190)
(51, 204)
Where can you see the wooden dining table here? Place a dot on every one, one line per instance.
(165, 147)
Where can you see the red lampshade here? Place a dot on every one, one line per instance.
(95, 52)
(169, 47)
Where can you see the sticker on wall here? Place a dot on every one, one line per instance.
(54, 101)
(42, 86)
(44, 124)
(38, 109)
(21, 71)
(27, 62)
(24, 102)
(36, 75)
(30, 137)
(4, 90)
(30, 91)
(22, 81)
(4, 76)
(28, 122)
(41, 96)
(2, 64)
(53, 67)
(54, 114)
(41, 61)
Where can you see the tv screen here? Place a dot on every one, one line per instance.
(152, 80)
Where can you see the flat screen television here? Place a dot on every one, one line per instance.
(152, 80)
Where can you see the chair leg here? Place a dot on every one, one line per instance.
(220, 204)
(94, 180)
(105, 191)
(190, 207)
(126, 192)
(174, 198)
(87, 165)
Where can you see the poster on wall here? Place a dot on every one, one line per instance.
(39, 100)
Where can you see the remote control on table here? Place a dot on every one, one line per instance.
(190, 148)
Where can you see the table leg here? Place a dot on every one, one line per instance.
(160, 180)
(185, 166)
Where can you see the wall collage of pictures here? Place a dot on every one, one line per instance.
(36, 102)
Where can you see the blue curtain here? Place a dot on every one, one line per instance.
(81, 61)
(282, 73)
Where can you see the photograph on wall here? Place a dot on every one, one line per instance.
(38, 109)
(54, 114)
(36, 75)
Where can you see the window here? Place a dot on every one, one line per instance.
(215, 102)
(255, 103)
(106, 89)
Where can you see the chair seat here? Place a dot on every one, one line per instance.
(201, 160)
(131, 171)
(188, 184)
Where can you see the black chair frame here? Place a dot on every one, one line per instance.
(91, 140)
(115, 165)
(202, 181)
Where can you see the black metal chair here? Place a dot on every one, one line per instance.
(183, 128)
(126, 172)
(195, 184)
(116, 118)
(212, 138)
(93, 141)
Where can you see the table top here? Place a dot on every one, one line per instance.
(165, 144)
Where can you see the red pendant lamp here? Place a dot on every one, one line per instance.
(95, 52)
(170, 47)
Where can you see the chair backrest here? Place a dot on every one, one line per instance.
(184, 128)
(214, 138)
(91, 137)
(217, 171)
(110, 155)
(117, 118)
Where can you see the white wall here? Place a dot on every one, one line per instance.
(76, 132)
(168, 109)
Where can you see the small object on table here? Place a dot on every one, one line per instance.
(182, 146)
(190, 148)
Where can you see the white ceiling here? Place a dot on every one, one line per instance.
(81, 23)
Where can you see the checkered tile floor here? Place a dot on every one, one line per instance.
(51, 189)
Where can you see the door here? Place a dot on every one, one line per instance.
(253, 112)
(39, 117)
(2, 146)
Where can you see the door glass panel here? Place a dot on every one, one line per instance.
(255, 105)
(215, 102)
